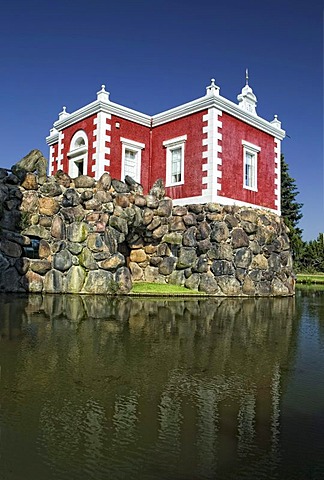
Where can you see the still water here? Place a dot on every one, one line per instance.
(99, 388)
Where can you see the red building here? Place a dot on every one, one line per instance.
(207, 150)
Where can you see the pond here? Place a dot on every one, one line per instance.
(137, 388)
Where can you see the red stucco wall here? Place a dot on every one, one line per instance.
(192, 126)
(234, 131)
(131, 131)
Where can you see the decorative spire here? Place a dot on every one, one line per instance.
(212, 89)
(247, 100)
(102, 94)
(276, 122)
(63, 114)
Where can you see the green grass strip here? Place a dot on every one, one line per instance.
(162, 289)
(310, 278)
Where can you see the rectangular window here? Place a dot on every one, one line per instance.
(175, 154)
(250, 165)
(131, 159)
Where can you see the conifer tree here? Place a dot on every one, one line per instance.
(291, 212)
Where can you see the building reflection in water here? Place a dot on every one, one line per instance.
(155, 386)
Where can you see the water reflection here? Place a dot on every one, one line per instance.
(94, 387)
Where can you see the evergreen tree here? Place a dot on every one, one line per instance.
(291, 212)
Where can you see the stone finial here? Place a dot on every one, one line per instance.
(212, 89)
(276, 122)
(103, 95)
(63, 114)
(247, 100)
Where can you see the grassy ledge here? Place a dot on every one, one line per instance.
(144, 288)
(309, 278)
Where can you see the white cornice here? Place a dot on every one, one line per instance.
(222, 104)
(189, 108)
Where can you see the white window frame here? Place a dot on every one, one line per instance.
(78, 153)
(253, 150)
(170, 145)
(135, 147)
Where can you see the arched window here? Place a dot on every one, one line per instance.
(78, 154)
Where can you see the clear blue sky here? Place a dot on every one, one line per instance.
(153, 55)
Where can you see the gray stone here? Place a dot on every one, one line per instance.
(221, 251)
(34, 161)
(249, 227)
(160, 232)
(176, 224)
(51, 188)
(231, 221)
(156, 222)
(259, 262)
(248, 287)
(77, 232)
(163, 250)
(37, 231)
(87, 260)
(208, 284)
(192, 282)
(202, 264)
(177, 277)
(112, 263)
(140, 201)
(58, 228)
(173, 238)
(54, 282)
(151, 201)
(222, 267)
(229, 285)
(274, 262)
(71, 198)
(4, 264)
(74, 248)
(92, 204)
(195, 208)
(86, 195)
(100, 282)
(103, 196)
(119, 186)
(119, 224)
(167, 265)
(84, 181)
(123, 280)
(187, 257)
(40, 266)
(279, 288)
(179, 210)
(189, 219)
(95, 243)
(62, 260)
(10, 249)
(136, 271)
(189, 237)
(204, 246)
(249, 215)
(34, 282)
(158, 189)
(243, 258)
(73, 214)
(62, 178)
(239, 238)
(152, 275)
(111, 239)
(203, 230)
(104, 182)
(165, 207)
(133, 185)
